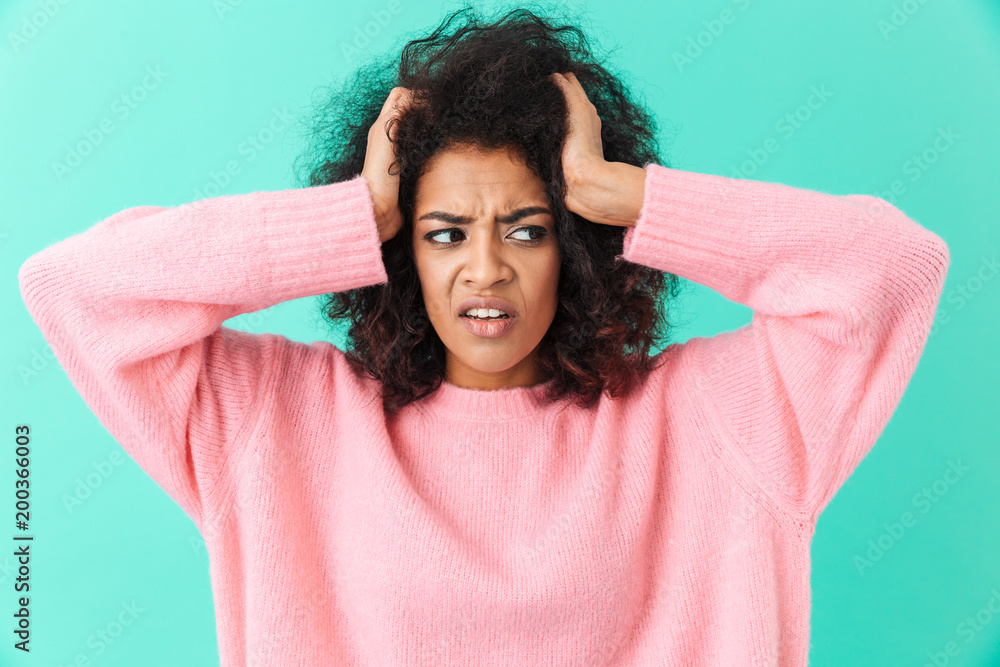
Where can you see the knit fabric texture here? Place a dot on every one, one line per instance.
(671, 526)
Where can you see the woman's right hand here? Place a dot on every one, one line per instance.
(379, 156)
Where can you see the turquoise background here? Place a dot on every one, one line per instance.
(228, 66)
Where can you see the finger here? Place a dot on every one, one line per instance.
(402, 94)
(571, 85)
(575, 84)
(560, 80)
(395, 98)
(403, 102)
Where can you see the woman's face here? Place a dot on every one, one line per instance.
(483, 228)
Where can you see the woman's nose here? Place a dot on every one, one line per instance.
(486, 263)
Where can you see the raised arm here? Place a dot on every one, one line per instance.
(844, 291)
(133, 310)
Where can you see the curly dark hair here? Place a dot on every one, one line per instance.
(487, 84)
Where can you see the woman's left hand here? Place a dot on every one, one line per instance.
(583, 151)
(604, 192)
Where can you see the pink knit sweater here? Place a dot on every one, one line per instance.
(670, 527)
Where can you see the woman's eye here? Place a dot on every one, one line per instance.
(442, 231)
(541, 232)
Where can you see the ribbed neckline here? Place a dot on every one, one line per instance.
(454, 402)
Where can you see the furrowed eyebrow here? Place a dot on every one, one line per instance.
(510, 218)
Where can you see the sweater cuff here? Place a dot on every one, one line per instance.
(322, 239)
(693, 225)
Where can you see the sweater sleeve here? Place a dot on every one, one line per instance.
(133, 310)
(843, 291)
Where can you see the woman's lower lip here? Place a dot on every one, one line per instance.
(486, 328)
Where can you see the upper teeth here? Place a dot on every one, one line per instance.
(484, 312)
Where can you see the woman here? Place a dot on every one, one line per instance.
(529, 487)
